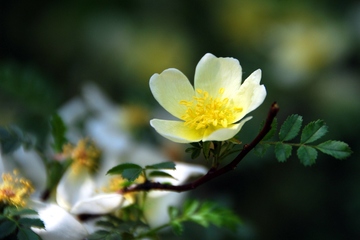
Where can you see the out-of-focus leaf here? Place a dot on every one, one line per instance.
(31, 222)
(27, 234)
(21, 211)
(6, 228)
(58, 130)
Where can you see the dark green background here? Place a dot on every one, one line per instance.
(308, 52)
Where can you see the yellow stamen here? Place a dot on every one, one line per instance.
(116, 183)
(206, 111)
(84, 154)
(15, 191)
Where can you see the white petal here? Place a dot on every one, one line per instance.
(251, 93)
(59, 224)
(99, 204)
(226, 133)
(176, 131)
(73, 187)
(169, 88)
(213, 73)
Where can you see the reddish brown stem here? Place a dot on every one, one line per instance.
(212, 173)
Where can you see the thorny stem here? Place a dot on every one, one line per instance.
(213, 172)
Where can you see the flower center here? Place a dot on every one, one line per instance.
(14, 191)
(84, 154)
(206, 111)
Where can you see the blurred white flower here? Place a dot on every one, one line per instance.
(59, 224)
(77, 191)
(29, 165)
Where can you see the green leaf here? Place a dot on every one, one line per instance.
(129, 171)
(336, 149)
(290, 127)
(58, 131)
(282, 151)
(31, 222)
(163, 165)
(6, 228)
(160, 174)
(27, 234)
(307, 155)
(313, 131)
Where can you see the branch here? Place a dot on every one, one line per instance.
(212, 173)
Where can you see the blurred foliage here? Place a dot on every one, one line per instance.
(309, 52)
